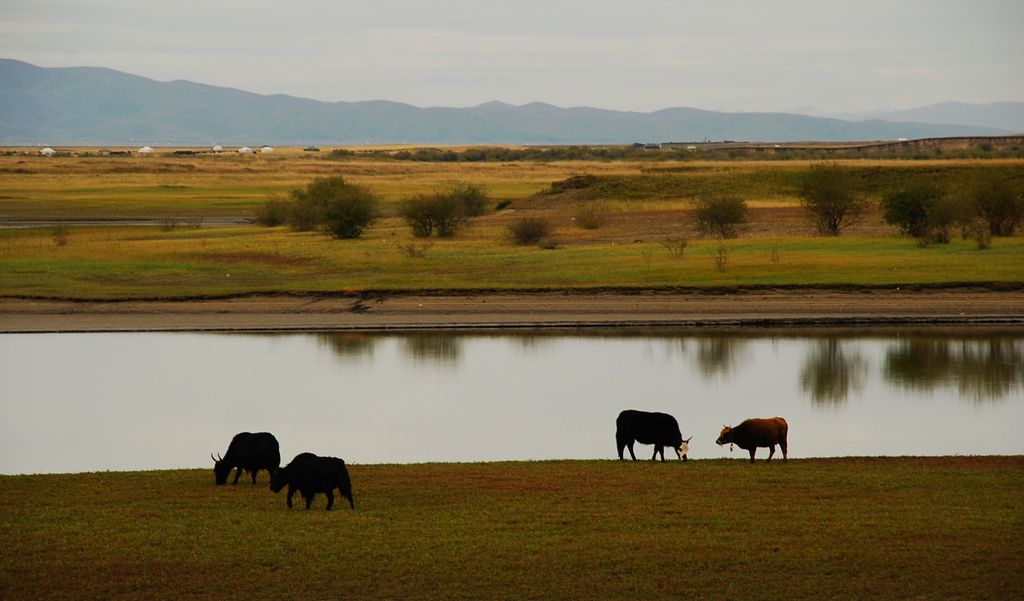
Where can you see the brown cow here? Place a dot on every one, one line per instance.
(753, 433)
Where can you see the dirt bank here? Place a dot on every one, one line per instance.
(530, 310)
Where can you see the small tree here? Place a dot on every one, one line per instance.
(720, 217)
(440, 213)
(344, 210)
(998, 203)
(275, 211)
(912, 209)
(530, 230)
(474, 198)
(827, 192)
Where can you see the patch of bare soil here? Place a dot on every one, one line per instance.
(657, 309)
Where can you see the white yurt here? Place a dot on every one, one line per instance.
(266, 149)
(146, 150)
(217, 148)
(245, 150)
(48, 152)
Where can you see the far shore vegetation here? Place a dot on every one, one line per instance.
(524, 224)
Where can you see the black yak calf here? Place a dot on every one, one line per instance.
(658, 429)
(753, 433)
(310, 474)
(249, 452)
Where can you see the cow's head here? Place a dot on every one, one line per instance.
(220, 469)
(684, 448)
(278, 479)
(725, 437)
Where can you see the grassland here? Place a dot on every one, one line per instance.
(906, 528)
(645, 204)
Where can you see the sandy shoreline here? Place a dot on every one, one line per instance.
(782, 308)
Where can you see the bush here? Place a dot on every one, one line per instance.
(342, 209)
(912, 209)
(530, 230)
(275, 211)
(474, 198)
(444, 213)
(440, 213)
(827, 192)
(999, 204)
(720, 217)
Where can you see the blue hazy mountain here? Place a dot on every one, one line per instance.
(96, 106)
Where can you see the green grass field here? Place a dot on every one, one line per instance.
(144, 262)
(857, 528)
(644, 205)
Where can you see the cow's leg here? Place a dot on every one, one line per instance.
(771, 453)
(254, 475)
(330, 498)
(752, 451)
(783, 445)
(658, 449)
(620, 444)
(631, 453)
(238, 474)
(309, 499)
(291, 491)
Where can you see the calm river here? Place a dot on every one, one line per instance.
(85, 402)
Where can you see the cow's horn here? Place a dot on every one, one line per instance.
(687, 441)
(212, 457)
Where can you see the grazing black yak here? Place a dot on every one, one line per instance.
(310, 474)
(658, 429)
(249, 452)
(753, 433)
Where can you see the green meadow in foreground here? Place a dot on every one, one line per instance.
(139, 262)
(854, 528)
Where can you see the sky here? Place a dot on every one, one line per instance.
(643, 55)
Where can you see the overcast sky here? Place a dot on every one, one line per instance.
(838, 56)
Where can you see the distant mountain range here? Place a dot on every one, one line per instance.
(1008, 116)
(95, 106)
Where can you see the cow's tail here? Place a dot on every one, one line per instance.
(345, 485)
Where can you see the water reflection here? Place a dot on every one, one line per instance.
(982, 370)
(436, 348)
(831, 372)
(349, 345)
(718, 356)
(148, 401)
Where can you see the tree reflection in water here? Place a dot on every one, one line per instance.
(440, 348)
(349, 344)
(830, 372)
(983, 370)
(718, 355)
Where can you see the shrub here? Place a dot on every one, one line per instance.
(440, 213)
(999, 204)
(827, 193)
(912, 208)
(444, 213)
(275, 211)
(721, 216)
(342, 209)
(474, 198)
(530, 230)
(675, 245)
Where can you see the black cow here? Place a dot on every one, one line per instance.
(249, 452)
(310, 474)
(658, 429)
(753, 433)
